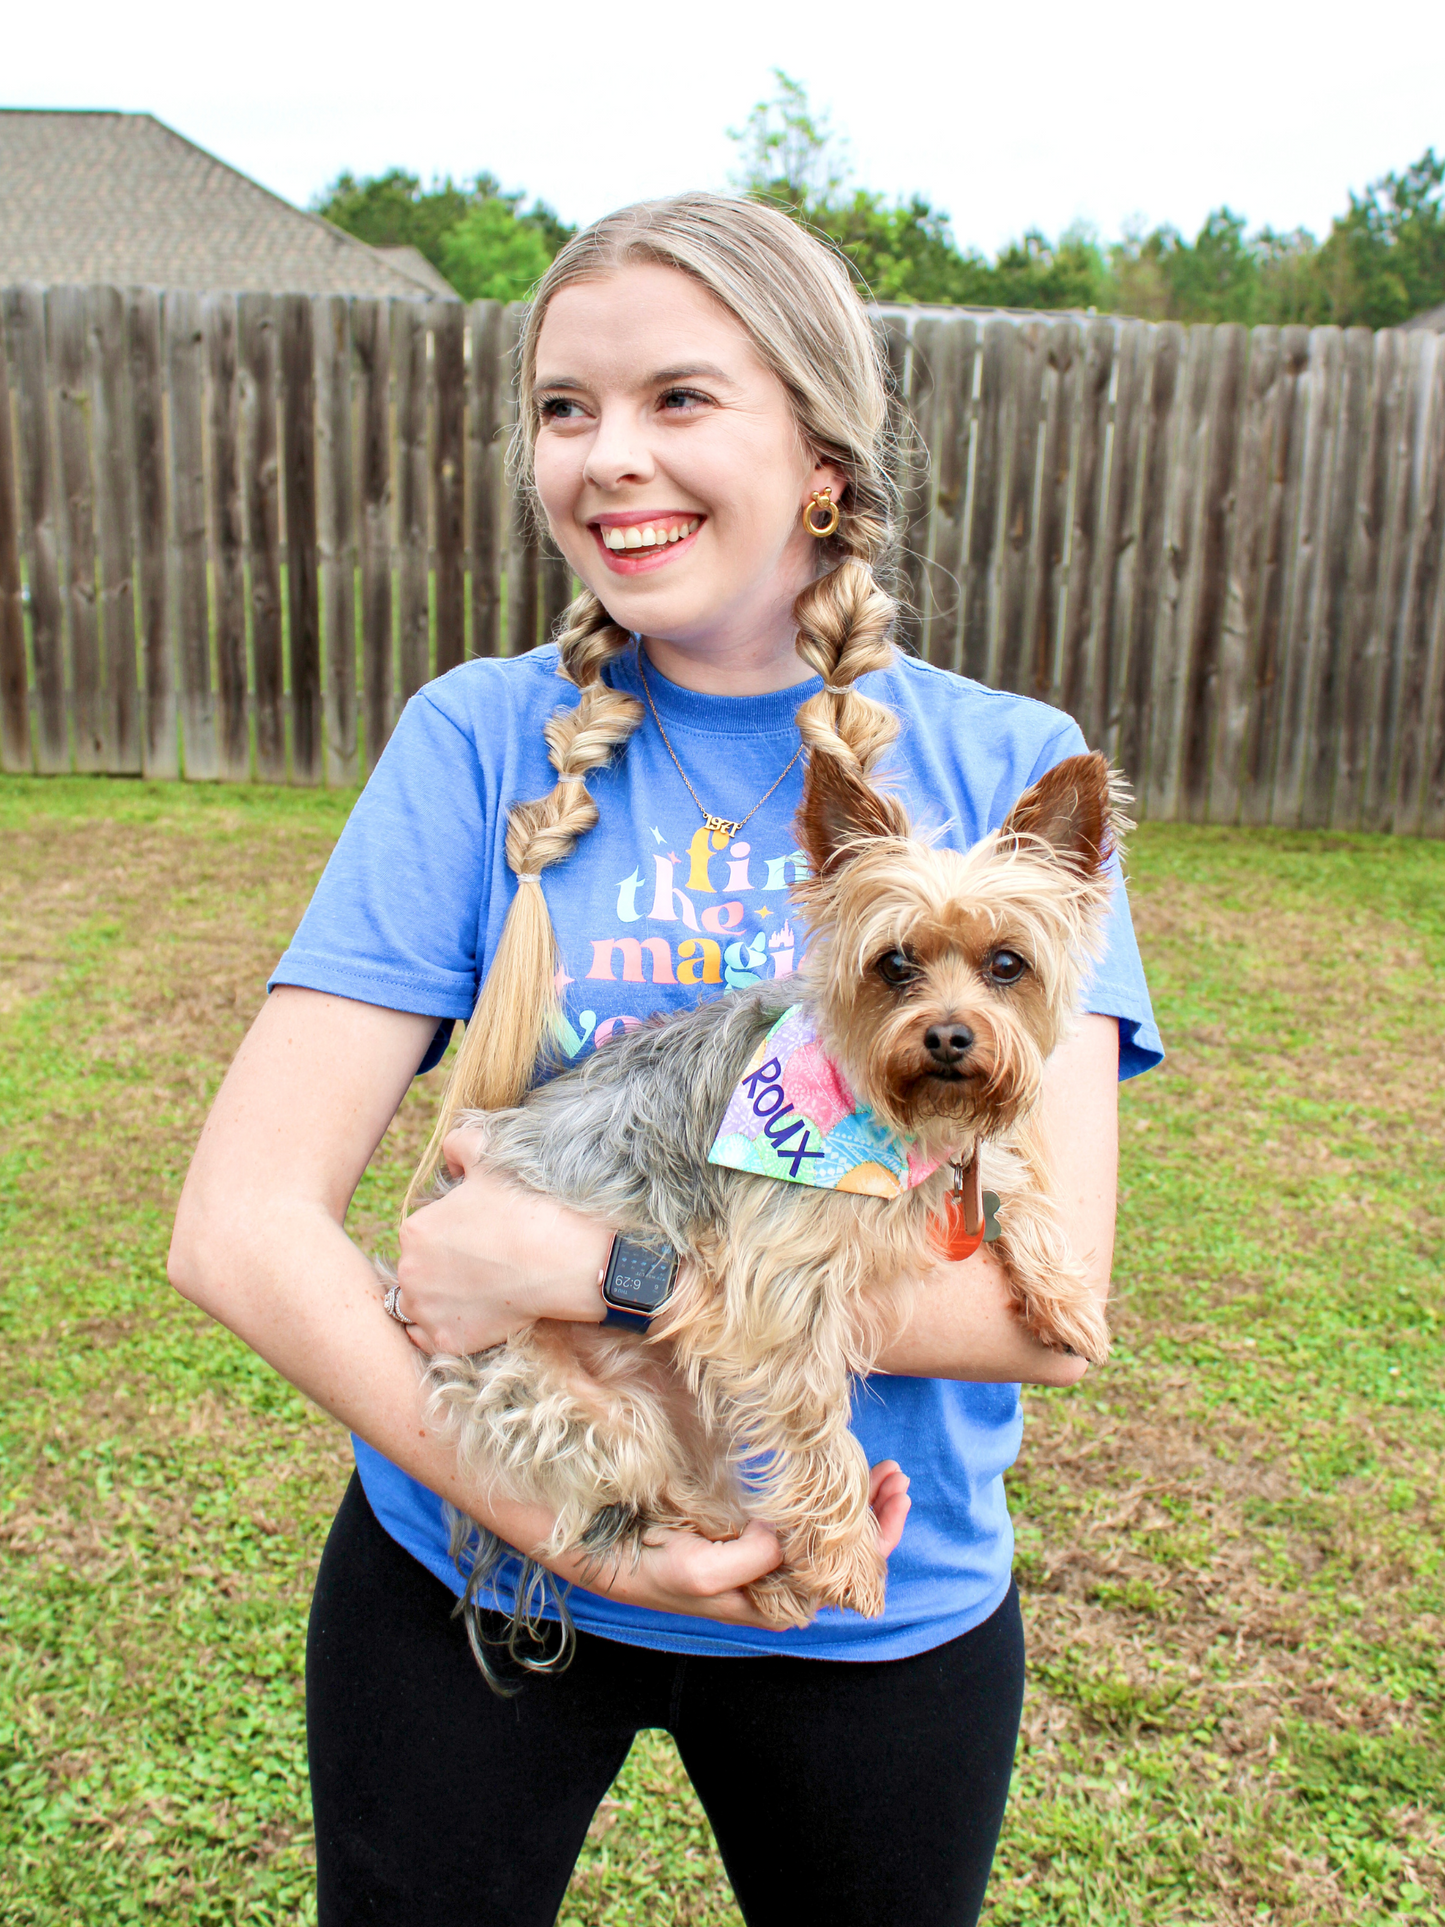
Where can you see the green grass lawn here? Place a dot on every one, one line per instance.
(1229, 1539)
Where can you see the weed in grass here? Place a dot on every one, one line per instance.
(1230, 1541)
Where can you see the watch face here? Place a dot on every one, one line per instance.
(638, 1278)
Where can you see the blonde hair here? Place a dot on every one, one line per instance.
(796, 301)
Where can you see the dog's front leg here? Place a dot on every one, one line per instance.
(1056, 1300)
(811, 1484)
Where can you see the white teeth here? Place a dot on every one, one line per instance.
(649, 536)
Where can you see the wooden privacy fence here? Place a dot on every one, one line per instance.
(237, 531)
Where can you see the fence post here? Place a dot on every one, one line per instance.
(14, 692)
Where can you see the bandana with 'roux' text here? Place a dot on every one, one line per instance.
(793, 1117)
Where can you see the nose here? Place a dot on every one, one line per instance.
(619, 452)
(947, 1044)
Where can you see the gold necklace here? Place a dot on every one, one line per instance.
(718, 825)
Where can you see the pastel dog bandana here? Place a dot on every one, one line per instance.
(793, 1117)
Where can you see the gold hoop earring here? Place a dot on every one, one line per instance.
(821, 502)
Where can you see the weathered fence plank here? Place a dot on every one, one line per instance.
(67, 334)
(447, 320)
(256, 320)
(14, 690)
(1301, 640)
(1217, 794)
(303, 596)
(25, 327)
(1402, 496)
(189, 562)
(1284, 453)
(115, 528)
(1009, 667)
(1179, 581)
(980, 586)
(1426, 571)
(1119, 542)
(1341, 556)
(336, 508)
(408, 348)
(160, 748)
(228, 530)
(954, 422)
(371, 335)
(522, 585)
(1363, 662)
(1044, 603)
(484, 477)
(1156, 428)
(1081, 689)
(917, 473)
(1198, 717)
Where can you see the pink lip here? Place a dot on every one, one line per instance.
(638, 561)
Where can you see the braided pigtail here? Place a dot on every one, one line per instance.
(515, 1019)
(844, 619)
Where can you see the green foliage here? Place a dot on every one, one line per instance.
(487, 244)
(1381, 263)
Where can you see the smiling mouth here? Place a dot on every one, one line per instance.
(657, 534)
(949, 1077)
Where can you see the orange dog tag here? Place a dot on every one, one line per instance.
(958, 1229)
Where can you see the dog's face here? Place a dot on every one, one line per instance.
(943, 980)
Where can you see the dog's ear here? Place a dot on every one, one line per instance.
(1072, 808)
(840, 811)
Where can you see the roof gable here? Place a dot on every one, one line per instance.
(122, 198)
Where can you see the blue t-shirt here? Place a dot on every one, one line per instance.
(650, 916)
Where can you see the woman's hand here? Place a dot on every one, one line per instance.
(681, 1572)
(488, 1258)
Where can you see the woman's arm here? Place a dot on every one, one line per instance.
(462, 1281)
(259, 1244)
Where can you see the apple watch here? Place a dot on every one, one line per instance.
(637, 1281)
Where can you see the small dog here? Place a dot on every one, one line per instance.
(934, 989)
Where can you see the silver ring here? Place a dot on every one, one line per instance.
(391, 1306)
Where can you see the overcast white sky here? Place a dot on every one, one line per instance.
(1007, 118)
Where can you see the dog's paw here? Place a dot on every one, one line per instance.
(1080, 1329)
(783, 1600)
(854, 1577)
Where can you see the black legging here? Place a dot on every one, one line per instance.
(867, 1792)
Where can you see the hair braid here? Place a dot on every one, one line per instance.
(515, 1019)
(844, 619)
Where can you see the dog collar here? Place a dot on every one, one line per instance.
(793, 1117)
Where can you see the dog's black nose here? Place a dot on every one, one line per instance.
(947, 1043)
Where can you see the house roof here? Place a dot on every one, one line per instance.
(122, 198)
(413, 262)
(1433, 320)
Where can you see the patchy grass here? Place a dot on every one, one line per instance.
(1229, 1541)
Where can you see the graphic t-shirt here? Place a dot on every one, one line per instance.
(653, 913)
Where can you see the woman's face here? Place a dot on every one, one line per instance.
(671, 469)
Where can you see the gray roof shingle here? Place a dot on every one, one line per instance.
(122, 198)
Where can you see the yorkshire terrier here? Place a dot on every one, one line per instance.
(914, 1040)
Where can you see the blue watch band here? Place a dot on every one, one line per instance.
(637, 1321)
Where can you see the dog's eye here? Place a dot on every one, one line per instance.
(1006, 966)
(896, 967)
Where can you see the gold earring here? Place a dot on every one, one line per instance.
(821, 501)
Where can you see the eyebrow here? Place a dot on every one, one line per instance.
(661, 379)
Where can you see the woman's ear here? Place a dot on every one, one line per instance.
(828, 475)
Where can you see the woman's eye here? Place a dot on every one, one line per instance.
(896, 967)
(1006, 966)
(559, 408)
(677, 400)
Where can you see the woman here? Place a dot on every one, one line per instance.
(700, 386)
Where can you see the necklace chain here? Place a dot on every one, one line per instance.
(719, 825)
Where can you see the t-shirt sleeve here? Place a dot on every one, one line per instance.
(1116, 986)
(395, 917)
